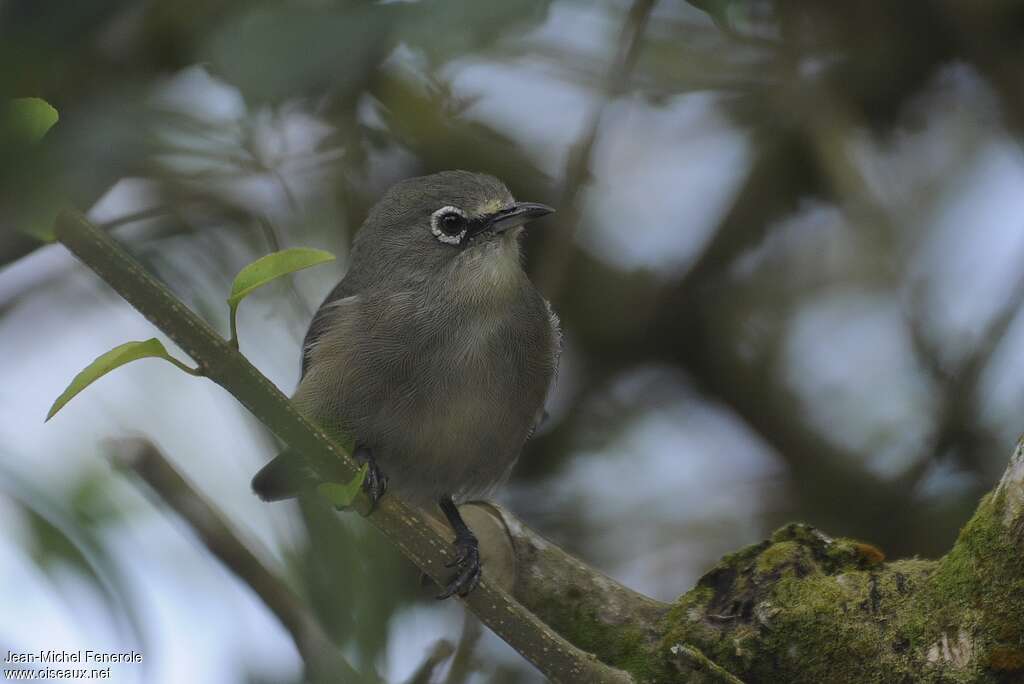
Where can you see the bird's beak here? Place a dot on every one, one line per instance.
(516, 215)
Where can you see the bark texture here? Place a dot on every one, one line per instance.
(803, 606)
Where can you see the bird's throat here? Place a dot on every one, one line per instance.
(488, 273)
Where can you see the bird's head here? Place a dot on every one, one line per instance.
(444, 223)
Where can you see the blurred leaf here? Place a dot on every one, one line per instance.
(424, 121)
(281, 51)
(59, 539)
(29, 118)
(52, 545)
(116, 357)
(730, 16)
(340, 555)
(23, 124)
(716, 9)
(273, 266)
(89, 498)
(40, 206)
(342, 495)
(455, 28)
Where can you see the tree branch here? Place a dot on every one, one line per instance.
(805, 607)
(425, 541)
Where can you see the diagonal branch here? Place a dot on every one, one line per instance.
(421, 539)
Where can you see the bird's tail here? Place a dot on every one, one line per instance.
(284, 477)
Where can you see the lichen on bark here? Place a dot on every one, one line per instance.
(803, 606)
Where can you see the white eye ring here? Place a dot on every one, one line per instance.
(435, 228)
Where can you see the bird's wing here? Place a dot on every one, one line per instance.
(556, 355)
(323, 319)
(556, 340)
(287, 475)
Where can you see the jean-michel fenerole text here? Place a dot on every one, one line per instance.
(80, 656)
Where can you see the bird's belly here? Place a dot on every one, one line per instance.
(459, 437)
(443, 413)
(449, 420)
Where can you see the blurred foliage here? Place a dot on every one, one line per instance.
(27, 118)
(61, 536)
(208, 133)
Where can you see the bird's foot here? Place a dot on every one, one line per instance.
(467, 561)
(375, 484)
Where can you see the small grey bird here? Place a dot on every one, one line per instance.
(435, 352)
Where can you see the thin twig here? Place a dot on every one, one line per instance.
(441, 652)
(140, 215)
(691, 658)
(463, 662)
(957, 413)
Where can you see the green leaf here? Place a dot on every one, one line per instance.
(342, 495)
(31, 117)
(118, 356)
(267, 268)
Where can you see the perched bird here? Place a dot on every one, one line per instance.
(435, 352)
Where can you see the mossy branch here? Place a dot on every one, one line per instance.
(800, 607)
(422, 540)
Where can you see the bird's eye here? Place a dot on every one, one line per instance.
(448, 224)
(451, 224)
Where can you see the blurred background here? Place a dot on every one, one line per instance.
(786, 258)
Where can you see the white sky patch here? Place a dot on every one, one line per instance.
(197, 93)
(663, 177)
(535, 99)
(850, 362)
(529, 102)
(812, 244)
(976, 249)
(1001, 394)
(594, 31)
(946, 123)
(126, 196)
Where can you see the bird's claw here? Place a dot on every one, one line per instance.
(467, 560)
(375, 484)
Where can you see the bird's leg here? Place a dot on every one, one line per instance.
(467, 552)
(376, 482)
